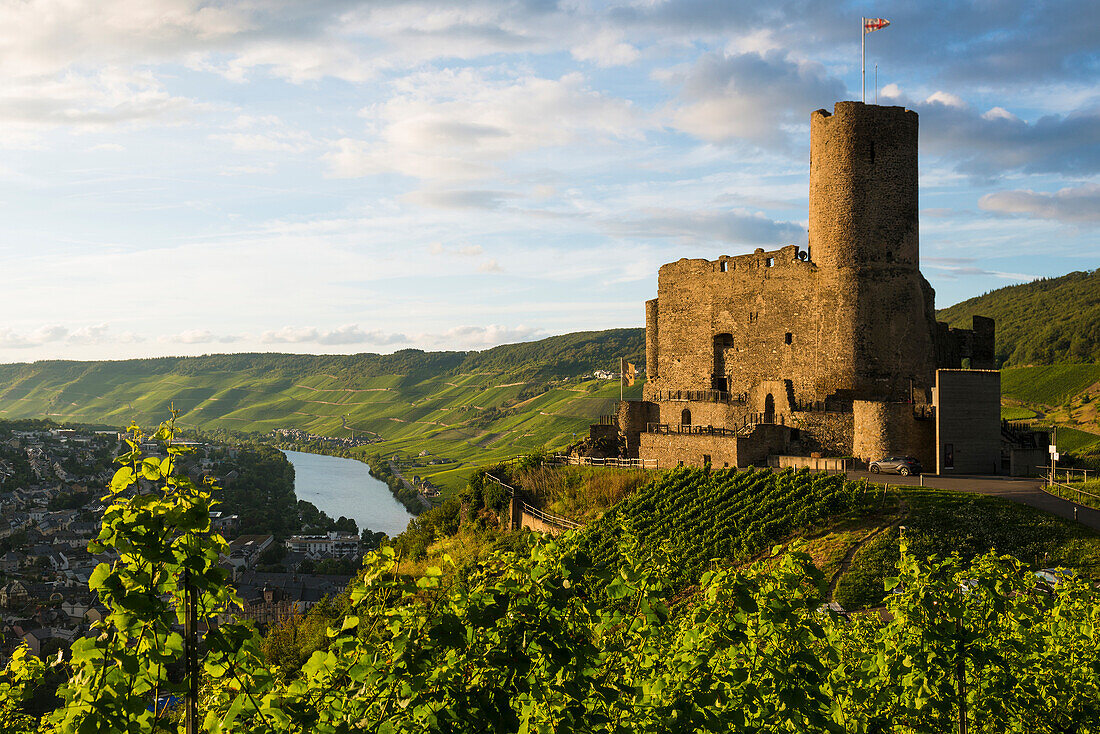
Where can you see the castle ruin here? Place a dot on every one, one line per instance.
(788, 356)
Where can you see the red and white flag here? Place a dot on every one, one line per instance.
(870, 25)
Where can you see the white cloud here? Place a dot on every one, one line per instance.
(12, 339)
(199, 336)
(92, 334)
(460, 199)
(750, 96)
(490, 266)
(890, 91)
(947, 99)
(90, 101)
(1076, 205)
(437, 248)
(54, 334)
(480, 337)
(735, 226)
(606, 48)
(347, 334)
(999, 113)
(457, 125)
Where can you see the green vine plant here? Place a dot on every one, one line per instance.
(157, 527)
(542, 639)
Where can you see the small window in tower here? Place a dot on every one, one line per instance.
(787, 339)
(724, 266)
(769, 262)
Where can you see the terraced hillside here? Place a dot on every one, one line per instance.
(1063, 395)
(469, 407)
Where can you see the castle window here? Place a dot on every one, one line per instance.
(769, 262)
(753, 316)
(724, 265)
(685, 417)
(788, 337)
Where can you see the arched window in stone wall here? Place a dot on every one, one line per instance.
(685, 417)
(769, 409)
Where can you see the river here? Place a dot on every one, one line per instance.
(345, 487)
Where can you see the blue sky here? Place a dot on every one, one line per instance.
(181, 177)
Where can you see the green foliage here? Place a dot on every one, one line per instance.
(1042, 322)
(987, 638)
(17, 681)
(157, 522)
(263, 492)
(545, 637)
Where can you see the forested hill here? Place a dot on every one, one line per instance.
(465, 406)
(1043, 322)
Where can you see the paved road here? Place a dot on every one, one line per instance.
(1024, 491)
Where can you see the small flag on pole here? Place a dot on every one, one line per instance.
(870, 25)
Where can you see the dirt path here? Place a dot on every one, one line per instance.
(847, 560)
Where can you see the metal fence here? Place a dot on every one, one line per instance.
(614, 462)
(526, 509)
(702, 396)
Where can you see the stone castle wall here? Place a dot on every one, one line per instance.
(828, 433)
(694, 449)
(885, 429)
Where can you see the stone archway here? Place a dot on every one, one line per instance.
(685, 417)
(769, 409)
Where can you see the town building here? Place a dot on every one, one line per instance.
(331, 545)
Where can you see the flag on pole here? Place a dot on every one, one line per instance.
(629, 372)
(870, 25)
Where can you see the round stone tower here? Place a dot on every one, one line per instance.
(863, 186)
(864, 240)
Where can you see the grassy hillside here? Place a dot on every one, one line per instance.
(466, 406)
(1042, 322)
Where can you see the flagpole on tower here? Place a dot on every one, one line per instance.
(868, 25)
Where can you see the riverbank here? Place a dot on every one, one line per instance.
(413, 502)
